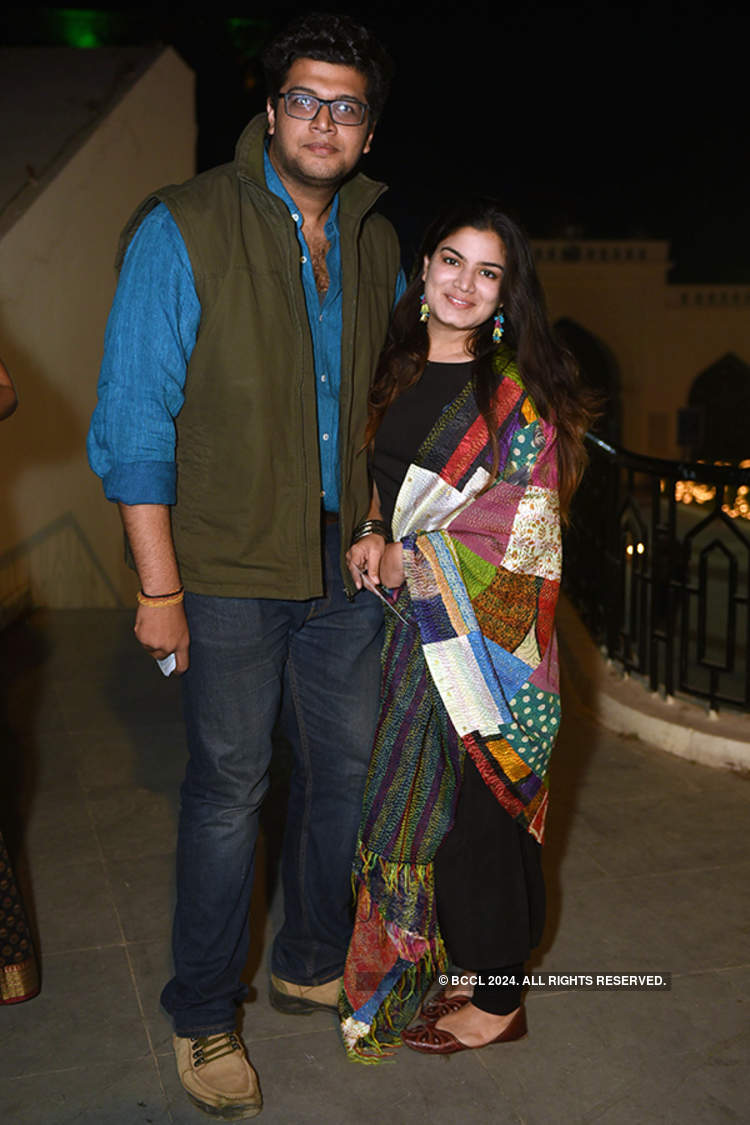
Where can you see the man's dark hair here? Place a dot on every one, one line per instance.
(332, 39)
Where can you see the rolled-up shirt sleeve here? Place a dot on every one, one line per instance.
(149, 339)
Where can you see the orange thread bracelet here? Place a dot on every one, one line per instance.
(158, 600)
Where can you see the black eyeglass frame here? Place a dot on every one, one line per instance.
(325, 102)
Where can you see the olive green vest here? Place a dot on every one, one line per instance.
(247, 522)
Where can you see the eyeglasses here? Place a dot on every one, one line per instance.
(306, 107)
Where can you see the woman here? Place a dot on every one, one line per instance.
(19, 977)
(476, 423)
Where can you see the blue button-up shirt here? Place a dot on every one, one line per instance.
(326, 325)
(149, 340)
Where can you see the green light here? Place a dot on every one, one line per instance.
(248, 34)
(81, 27)
(85, 39)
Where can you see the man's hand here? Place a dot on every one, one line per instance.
(164, 629)
(364, 557)
(161, 629)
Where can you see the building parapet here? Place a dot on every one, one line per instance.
(595, 252)
(709, 296)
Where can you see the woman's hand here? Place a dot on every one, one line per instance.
(392, 566)
(364, 557)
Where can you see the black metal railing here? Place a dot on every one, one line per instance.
(661, 584)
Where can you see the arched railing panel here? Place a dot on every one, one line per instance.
(663, 586)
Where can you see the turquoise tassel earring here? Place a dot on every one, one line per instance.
(424, 310)
(497, 331)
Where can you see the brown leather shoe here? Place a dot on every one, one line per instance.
(302, 999)
(431, 1040)
(442, 1005)
(217, 1076)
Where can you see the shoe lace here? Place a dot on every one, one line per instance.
(209, 1048)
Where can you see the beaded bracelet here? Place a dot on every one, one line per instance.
(371, 527)
(156, 601)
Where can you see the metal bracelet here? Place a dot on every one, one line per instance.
(371, 527)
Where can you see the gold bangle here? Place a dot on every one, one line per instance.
(159, 600)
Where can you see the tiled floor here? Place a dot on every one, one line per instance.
(647, 867)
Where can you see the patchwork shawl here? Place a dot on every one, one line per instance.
(472, 669)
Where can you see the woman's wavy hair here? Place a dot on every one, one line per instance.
(549, 372)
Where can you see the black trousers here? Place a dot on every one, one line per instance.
(490, 893)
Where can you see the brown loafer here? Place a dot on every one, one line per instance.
(441, 1005)
(431, 1040)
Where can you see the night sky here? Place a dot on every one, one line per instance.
(585, 120)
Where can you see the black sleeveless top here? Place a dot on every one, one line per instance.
(407, 423)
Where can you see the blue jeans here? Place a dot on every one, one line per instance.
(318, 661)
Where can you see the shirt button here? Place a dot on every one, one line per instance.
(320, 317)
(325, 437)
(322, 378)
(303, 259)
(295, 216)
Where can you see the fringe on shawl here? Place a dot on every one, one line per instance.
(397, 938)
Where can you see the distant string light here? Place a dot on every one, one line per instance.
(693, 492)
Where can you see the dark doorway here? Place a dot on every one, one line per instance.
(721, 396)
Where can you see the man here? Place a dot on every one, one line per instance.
(251, 307)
